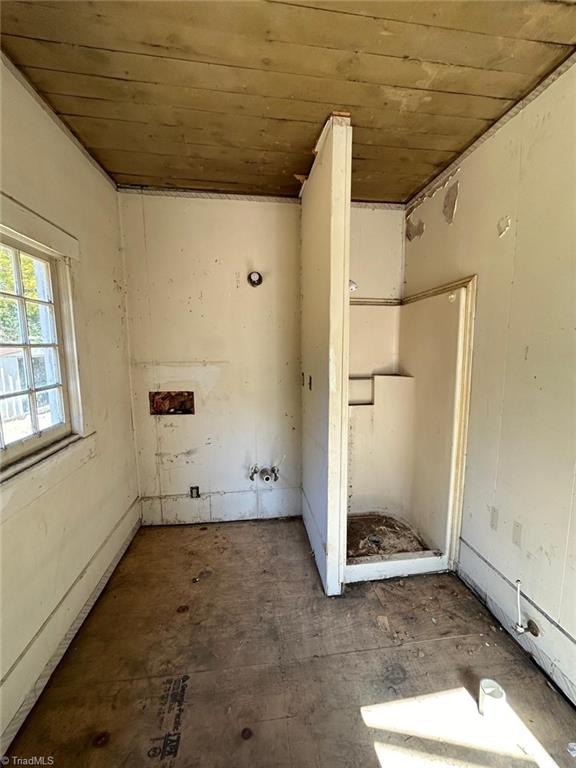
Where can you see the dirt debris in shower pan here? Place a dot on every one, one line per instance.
(375, 534)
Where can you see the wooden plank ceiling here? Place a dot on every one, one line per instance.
(231, 96)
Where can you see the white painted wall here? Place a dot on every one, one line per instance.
(325, 254)
(377, 251)
(380, 450)
(429, 351)
(374, 337)
(376, 265)
(63, 522)
(196, 324)
(515, 225)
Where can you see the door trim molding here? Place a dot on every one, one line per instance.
(465, 282)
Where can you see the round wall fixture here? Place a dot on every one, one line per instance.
(254, 278)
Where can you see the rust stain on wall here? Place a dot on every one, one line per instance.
(171, 403)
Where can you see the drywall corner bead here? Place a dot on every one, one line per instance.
(414, 229)
(450, 202)
(503, 225)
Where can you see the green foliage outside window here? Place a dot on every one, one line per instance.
(9, 322)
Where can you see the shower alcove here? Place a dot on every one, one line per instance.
(407, 399)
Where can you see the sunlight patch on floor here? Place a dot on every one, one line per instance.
(446, 729)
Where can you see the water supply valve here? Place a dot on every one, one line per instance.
(265, 475)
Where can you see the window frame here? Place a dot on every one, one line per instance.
(37, 443)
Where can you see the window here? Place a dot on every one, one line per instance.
(34, 408)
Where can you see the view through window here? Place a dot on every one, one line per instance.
(32, 403)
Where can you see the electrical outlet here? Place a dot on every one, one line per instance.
(194, 491)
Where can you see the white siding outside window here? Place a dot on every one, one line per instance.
(34, 406)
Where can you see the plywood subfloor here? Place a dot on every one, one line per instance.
(384, 535)
(214, 647)
(231, 96)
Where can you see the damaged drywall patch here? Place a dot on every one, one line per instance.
(171, 403)
(503, 225)
(450, 202)
(414, 229)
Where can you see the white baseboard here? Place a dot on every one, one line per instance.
(554, 650)
(261, 504)
(26, 679)
(395, 567)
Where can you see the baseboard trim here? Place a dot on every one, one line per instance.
(221, 507)
(399, 566)
(553, 650)
(34, 693)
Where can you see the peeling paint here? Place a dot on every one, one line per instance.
(503, 225)
(450, 202)
(434, 189)
(414, 229)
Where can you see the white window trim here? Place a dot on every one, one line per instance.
(23, 229)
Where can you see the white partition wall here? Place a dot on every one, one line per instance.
(325, 267)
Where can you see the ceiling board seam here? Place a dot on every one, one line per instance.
(57, 120)
(424, 61)
(423, 24)
(421, 91)
(437, 181)
(181, 174)
(266, 174)
(157, 123)
(304, 154)
(297, 153)
(255, 117)
(209, 62)
(287, 151)
(170, 177)
(484, 121)
(392, 127)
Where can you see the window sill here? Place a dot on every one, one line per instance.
(41, 456)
